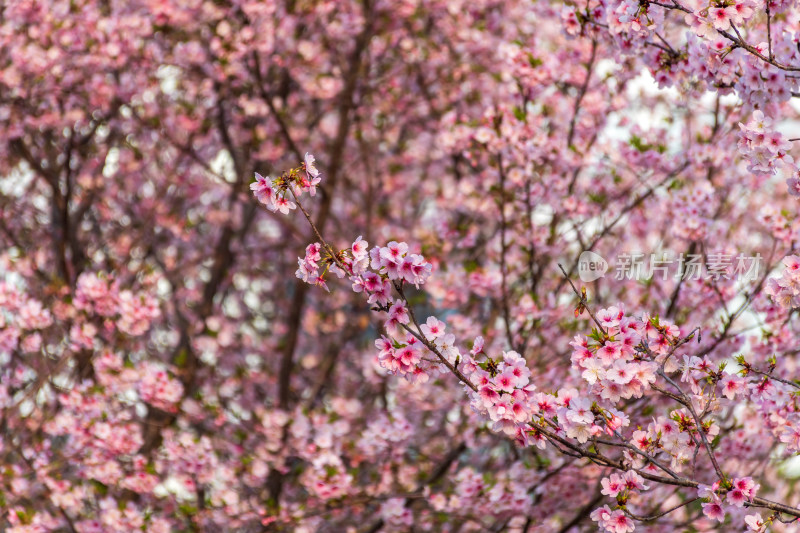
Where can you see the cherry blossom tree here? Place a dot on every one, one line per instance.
(451, 351)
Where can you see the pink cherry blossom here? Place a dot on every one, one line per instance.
(714, 510)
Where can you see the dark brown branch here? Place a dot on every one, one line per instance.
(581, 94)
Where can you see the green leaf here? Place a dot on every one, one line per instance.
(182, 358)
(101, 489)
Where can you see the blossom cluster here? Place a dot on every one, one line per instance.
(274, 193)
(621, 487)
(159, 389)
(308, 267)
(97, 293)
(390, 263)
(709, 17)
(613, 521)
(673, 438)
(504, 391)
(21, 320)
(737, 492)
(612, 363)
(634, 17)
(785, 290)
(765, 148)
